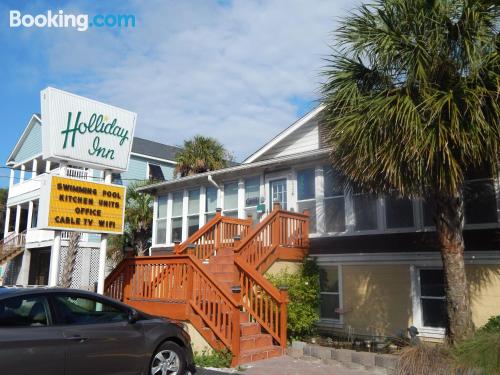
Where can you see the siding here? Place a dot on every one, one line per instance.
(303, 139)
(32, 144)
(138, 170)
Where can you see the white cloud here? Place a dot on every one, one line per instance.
(202, 68)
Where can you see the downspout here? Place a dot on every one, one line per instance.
(212, 181)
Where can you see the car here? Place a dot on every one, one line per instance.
(55, 331)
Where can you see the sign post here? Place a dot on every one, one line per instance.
(104, 248)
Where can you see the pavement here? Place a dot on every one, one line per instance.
(286, 365)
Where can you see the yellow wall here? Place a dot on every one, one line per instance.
(377, 299)
(197, 341)
(278, 266)
(484, 287)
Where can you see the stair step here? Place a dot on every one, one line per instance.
(225, 276)
(250, 328)
(260, 340)
(259, 354)
(225, 251)
(243, 317)
(222, 259)
(215, 267)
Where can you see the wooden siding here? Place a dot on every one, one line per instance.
(138, 170)
(31, 145)
(303, 139)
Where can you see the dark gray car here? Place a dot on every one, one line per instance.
(47, 331)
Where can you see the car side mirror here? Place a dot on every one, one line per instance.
(133, 316)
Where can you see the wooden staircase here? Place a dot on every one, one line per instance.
(11, 246)
(215, 280)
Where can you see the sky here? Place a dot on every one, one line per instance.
(240, 71)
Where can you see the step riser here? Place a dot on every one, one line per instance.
(250, 329)
(266, 353)
(256, 342)
(215, 268)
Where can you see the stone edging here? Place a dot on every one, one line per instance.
(380, 363)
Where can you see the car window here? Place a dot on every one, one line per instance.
(24, 311)
(84, 310)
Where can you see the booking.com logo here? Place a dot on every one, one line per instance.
(80, 22)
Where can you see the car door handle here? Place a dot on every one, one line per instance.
(77, 338)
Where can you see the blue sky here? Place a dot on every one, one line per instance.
(240, 71)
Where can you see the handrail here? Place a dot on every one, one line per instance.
(218, 233)
(262, 300)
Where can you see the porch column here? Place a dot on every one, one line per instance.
(169, 218)
(30, 215)
(241, 199)
(185, 201)
(11, 178)
(55, 253)
(47, 166)
(103, 249)
(18, 218)
(35, 167)
(7, 222)
(320, 201)
(21, 175)
(203, 202)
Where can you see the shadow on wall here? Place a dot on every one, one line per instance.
(377, 299)
(484, 290)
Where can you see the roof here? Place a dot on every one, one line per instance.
(235, 171)
(150, 148)
(285, 133)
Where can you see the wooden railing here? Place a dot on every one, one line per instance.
(279, 228)
(180, 280)
(12, 243)
(217, 234)
(263, 301)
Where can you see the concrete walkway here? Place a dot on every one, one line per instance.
(290, 366)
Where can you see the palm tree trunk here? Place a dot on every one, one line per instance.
(449, 226)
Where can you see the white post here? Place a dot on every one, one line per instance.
(203, 202)
(30, 215)
(55, 254)
(18, 218)
(35, 168)
(11, 179)
(21, 176)
(185, 201)
(241, 199)
(7, 222)
(47, 166)
(103, 248)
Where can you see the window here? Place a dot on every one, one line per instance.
(116, 178)
(428, 209)
(432, 298)
(480, 202)
(34, 216)
(252, 197)
(82, 310)
(161, 220)
(231, 199)
(210, 203)
(334, 200)
(176, 220)
(155, 173)
(365, 211)
(306, 189)
(24, 311)
(398, 212)
(329, 278)
(193, 211)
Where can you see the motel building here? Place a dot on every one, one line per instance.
(381, 270)
(25, 252)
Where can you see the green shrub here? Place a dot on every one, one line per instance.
(493, 325)
(213, 358)
(303, 293)
(480, 352)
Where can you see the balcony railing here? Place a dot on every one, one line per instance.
(81, 174)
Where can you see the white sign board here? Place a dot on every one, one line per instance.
(85, 132)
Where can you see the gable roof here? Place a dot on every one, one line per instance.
(155, 149)
(285, 133)
(140, 146)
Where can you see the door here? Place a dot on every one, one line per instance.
(39, 267)
(277, 190)
(29, 342)
(99, 336)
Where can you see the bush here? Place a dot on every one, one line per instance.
(213, 358)
(481, 351)
(303, 293)
(493, 325)
(425, 359)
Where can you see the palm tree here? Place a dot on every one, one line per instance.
(201, 154)
(138, 218)
(412, 104)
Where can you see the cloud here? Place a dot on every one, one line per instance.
(232, 70)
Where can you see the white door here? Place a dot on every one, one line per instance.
(277, 189)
